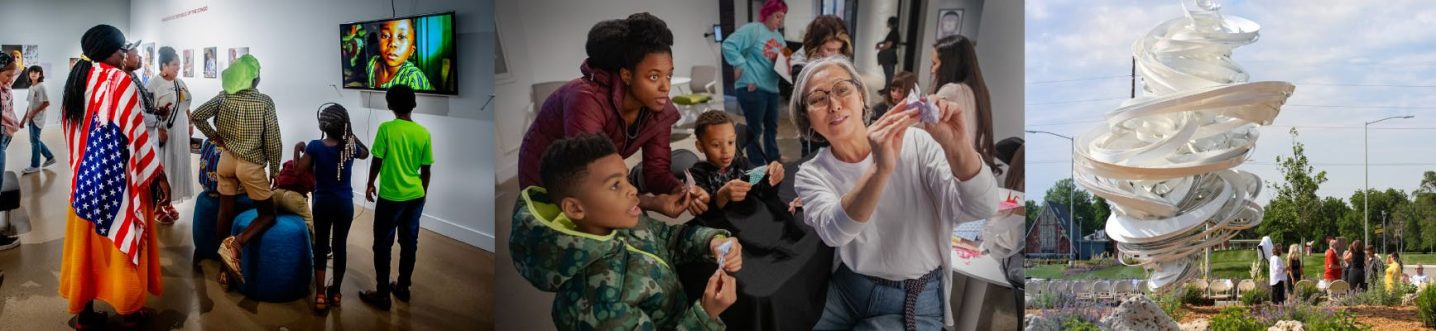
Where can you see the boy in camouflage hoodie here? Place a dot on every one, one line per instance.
(583, 237)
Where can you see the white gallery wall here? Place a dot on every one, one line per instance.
(545, 44)
(55, 26)
(297, 42)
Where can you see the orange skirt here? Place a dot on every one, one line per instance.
(94, 269)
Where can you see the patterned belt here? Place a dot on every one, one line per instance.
(911, 289)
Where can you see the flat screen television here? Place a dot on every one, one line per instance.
(418, 51)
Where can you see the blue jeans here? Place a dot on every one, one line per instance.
(390, 216)
(760, 108)
(4, 144)
(37, 147)
(857, 303)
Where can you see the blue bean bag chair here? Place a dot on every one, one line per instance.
(206, 214)
(278, 264)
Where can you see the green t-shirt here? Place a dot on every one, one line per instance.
(404, 146)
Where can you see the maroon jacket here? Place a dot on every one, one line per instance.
(591, 104)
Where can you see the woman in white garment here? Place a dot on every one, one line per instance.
(887, 196)
(174, 131)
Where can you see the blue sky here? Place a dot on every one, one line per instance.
(1351, 62)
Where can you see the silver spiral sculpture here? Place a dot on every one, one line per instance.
(1164, 160)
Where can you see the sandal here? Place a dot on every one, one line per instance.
(320, 302)
(335, 297)
(229, 258)
(164, 218)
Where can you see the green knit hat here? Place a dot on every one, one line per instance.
(241, 74)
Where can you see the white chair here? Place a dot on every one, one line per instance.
(1083, 290)
(1102, 290)
(1059, 287)
(1337, 289)
(1124, 289)
(1244, 286)
(1221, 289)
(1200, 285)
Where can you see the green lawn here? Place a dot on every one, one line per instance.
(1225, 264)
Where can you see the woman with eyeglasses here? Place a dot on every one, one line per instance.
(886, 195)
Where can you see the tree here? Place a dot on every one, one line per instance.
(1290, 216)
(1389, 202)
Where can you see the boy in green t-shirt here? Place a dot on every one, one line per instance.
(402, 154)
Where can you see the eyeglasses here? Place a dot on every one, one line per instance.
(820, 100)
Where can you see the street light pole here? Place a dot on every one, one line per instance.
(1072, 175)
(1366, 172)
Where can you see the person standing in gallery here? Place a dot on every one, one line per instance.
(623, 95)
(331, 160)
(751, 51)
(957, 77)
(9, 70)
(173, 131)
(110, 253)
(39, 102)
(887, 52)
(248, 133)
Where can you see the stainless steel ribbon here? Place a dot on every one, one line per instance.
(1164, 161)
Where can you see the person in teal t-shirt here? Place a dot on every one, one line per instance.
(752, 51)
(402, 154)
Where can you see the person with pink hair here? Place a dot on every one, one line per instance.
(751, 51)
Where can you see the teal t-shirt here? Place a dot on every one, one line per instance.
(404, 146)
(754, 48)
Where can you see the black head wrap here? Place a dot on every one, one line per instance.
(98, 43)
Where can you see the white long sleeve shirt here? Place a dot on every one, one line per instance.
(1278, 270)
(908, 235)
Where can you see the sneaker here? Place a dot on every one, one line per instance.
(229, 255)
(48, 163)
(8, 242)
(30, 170)
(375, 299)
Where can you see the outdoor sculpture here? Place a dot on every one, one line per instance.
(1164, 160)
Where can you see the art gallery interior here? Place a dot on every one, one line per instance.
(297, 44)
(551, 43)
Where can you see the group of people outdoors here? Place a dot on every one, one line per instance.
(1354, 263)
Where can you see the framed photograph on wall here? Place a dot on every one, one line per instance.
(25, 56)
(148, 51)
(188, 63)
(211, 64)
(949, 22)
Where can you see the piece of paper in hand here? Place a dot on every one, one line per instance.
(723, 249)
(927, 111)
(783, 68)
(688, 182)
(756, 175)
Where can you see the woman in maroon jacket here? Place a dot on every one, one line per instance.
(623, 95)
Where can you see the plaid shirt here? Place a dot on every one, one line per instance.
(408, 74)
(247, 125)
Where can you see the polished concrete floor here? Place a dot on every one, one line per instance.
(453, 281)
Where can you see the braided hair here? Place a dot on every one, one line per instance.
(334, 122)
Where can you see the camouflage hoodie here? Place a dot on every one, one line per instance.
(624, 280)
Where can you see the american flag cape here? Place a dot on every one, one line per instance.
(113, 160)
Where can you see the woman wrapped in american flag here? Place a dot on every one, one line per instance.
(110, 251)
